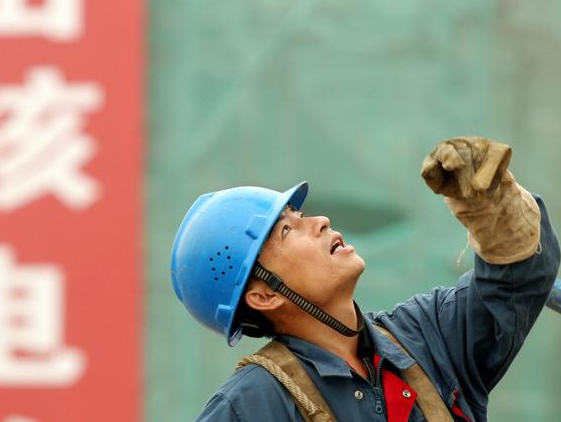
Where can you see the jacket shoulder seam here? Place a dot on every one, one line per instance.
(234, 411)
(250, 368)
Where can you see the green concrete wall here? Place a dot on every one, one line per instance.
(349, 96)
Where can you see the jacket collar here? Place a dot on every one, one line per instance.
(328, 364)
(387, 349)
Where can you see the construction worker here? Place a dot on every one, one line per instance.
(246, 261)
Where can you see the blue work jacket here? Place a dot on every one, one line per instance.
(464, 337)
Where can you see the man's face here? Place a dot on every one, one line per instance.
(311, 258)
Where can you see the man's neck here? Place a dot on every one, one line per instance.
(308, 328)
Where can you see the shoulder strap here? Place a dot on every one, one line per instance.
(428, 399)
(285, 367)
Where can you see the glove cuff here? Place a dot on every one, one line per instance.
(504, 227)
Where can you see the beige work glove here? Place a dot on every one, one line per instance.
(502, 218)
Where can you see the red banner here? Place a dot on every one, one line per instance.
(70, 200)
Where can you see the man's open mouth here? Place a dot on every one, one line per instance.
(337, 243)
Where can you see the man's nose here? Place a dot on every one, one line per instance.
(321, 224)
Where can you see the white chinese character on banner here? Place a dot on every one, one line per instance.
(42, 143)
(58, 20)
(18, 418)
(32, 349)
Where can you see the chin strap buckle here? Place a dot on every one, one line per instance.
(268, 277)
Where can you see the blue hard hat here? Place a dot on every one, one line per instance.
(216, 247)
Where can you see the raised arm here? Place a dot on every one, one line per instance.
(471, 333)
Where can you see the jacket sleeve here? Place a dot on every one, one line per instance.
(472, 332)
(499, 306)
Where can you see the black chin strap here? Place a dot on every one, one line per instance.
(275, 283)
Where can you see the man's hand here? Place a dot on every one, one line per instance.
(502, 218)
(464, 168)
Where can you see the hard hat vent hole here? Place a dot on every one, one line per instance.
(220, 269)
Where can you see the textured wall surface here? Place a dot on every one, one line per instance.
(349, 96)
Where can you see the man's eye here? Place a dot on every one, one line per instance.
(285, 230)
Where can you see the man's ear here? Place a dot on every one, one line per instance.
(261, 297)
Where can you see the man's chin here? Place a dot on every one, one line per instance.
(358, 266)
(352, 270)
